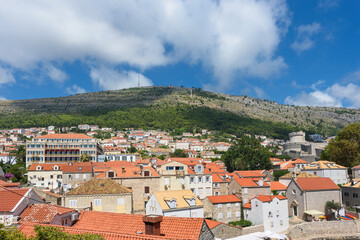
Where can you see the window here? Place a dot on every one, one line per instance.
(77, 176)
(110, 174)
(237, 214)
(169, 168)
(270, 215)
(207, 179)
(200, 191)
(51, 176)
(70, 176)
(147, 189)
(228, 205)
(293, 191)
(271, 224)
(229, 215)
(208, 190)
(191, 180)
(220, 205)
(245, 190)
(220, 216)
(72, 203)
(167, 181)
(97, 202)
(193, 190)
(200, 179)
(179, 168)
(355, 195)
(237, 204)
(146, 173)
(84, 176)
(217, 194)
(182, 180)
(346, 194)
(64, 222)
(216, 185)
(281, 222)
(120, 201)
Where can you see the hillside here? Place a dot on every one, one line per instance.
(174, 107)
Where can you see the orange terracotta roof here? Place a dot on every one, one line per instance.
(313, 184)
(7, 184)
(78, 167)
(28, 229)
(277, 186)
(248, 205)
(132, 223)
(65, 136)
(217, 178)
(42, 213)
(223, 199)
(269, 198)
(248, 182)
(211, 224)
(11, 197)
(47, 166)
(250, 173)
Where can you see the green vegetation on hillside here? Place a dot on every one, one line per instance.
(165, 117)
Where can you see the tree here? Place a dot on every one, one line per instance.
(85, 158)
(247, 154)
(21, 154)
(178, 153)
(345, 148)
(330, 205)
(277, 174)
(132, 149)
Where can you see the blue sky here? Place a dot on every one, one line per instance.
(293, 52)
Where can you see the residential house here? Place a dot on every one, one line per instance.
(178, 203)
(305, 194)
(286, 179)
(223, 230)
(336, 172)
(269, 210)
(49, 214)
(14, 201)
(75, 174)
(100, 195)
(278, 188)
(158, 151)
(293, 165)
(351, 193)
(174, 175)
(142, 180)
(46, 176)
(356, 172)
(247, 188)
(182, 145)
(9, 185)
(224, 208)
(221, 182)
(255, 174)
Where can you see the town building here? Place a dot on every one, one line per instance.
(61, 148)
(75, 174)
(351, 193)
(46, 176)
(269, 210)
(224, 208)
(174, 175)
(336, 172)
(14, 201)
(49, 214)
(178, 203)
(307, 194)
(287, 178)
(247, 188)
(100, 195)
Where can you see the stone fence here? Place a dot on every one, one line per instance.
(317, 230)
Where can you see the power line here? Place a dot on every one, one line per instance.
(21, 194)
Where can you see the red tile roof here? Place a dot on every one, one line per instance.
(250, 173)
(132, 223)
(211, 224)
(47, 166)
(42, 213)
(7, 184)
(312, 184)
(65, 136)
(223, 199)
(217, 178)
(264, 198)
(78, 167)
(277, 186)
(11, 197)
(248, 182)
(28, 229)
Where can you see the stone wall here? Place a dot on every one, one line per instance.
(312, 230)
(252, 229)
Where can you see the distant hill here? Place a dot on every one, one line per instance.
(175, 107)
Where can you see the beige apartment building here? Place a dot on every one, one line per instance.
(173, 175)
(100, 195)
(224, 208)
(61, 148)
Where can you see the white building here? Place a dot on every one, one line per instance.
(182, 145)
(271, 211)
(182, 203)
(200, 181)
(45, 176)
(336, 172)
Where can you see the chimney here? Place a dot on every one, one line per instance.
(152, 224)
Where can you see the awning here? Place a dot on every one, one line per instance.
(314, 212)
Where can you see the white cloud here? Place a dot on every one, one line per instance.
(227, 37)
(2, 98)
(303, 40)
(327, 4)
(110, 79)
(259, 92)
(6, 76)
(75, 89)
(55, 74)
(335, 96)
